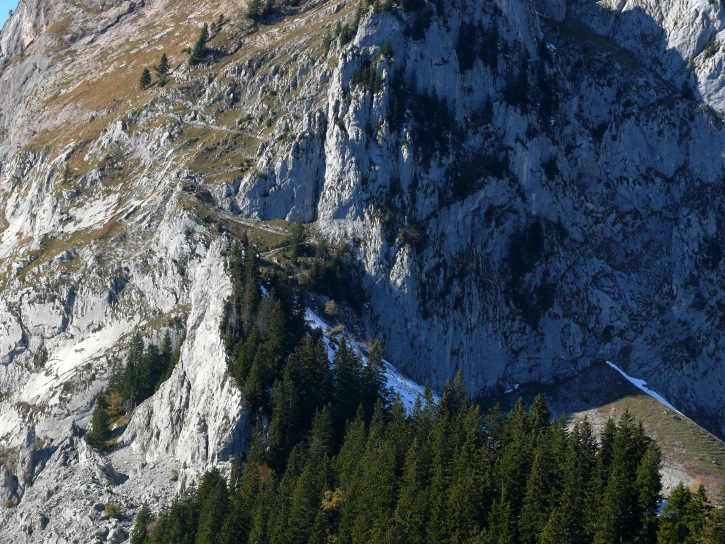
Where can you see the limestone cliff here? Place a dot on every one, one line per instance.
(527, 188)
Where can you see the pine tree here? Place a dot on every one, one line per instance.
(145, 80)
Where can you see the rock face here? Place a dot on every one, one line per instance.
(527, 188)
(26, 461)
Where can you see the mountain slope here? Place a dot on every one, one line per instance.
(522, 196)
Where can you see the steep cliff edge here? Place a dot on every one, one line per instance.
(524, 195)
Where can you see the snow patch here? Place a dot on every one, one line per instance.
(642, 386)
(407, 389)
(74, 354)
(93, 213)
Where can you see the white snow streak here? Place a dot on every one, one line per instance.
(642, 386)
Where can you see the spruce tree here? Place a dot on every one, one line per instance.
(131, 373)
(373, 379)
(167, 351)
(714, 532)
(411, 512)
(200, 49)
(346, 374)
(619, 513)
(145, 80)
(512, 468)
(353, 447)
(372, 496)
(441, 468)
(329, 516)
(674, 527)
(254, 10)
(163, 66)
(296, 240)
(213, 506)
(140, 528)
(649, 486)
(566, 523)
(251, 295)
(466, 493)
(306, 499)
(501, 523)
(98, 435)
(322, 435)
(539, 414)
(538, 500)
(162, 70)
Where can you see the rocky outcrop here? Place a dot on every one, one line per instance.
(196, 417)
(680, 40)
(26, 461)
(8, 486)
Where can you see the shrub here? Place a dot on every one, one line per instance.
(331, 308)
(711, 47)
(113, 510)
